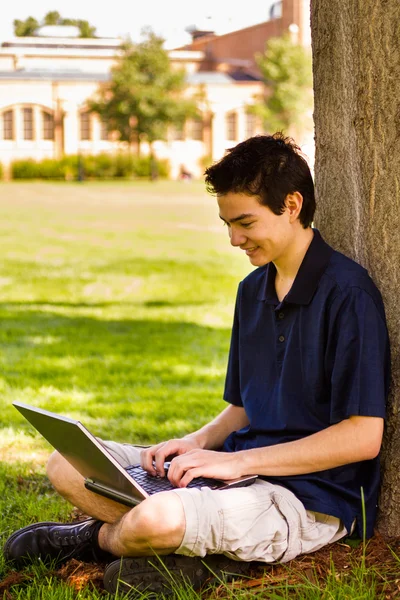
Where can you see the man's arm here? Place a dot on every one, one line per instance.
(213, 435)
(352, 440)
(209, 437)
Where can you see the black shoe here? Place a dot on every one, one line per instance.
(164, 574)
(57, 542)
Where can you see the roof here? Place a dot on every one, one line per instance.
(200, 77)
(51, 75)
(209, 77)
(243, 76)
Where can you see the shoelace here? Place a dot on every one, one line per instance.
(70, 540)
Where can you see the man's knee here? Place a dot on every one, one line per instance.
(158, 521)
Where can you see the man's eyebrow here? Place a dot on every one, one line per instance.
(239, 218)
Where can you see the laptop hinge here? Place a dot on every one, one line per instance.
(112, 494)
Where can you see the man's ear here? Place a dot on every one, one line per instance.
(294, 204)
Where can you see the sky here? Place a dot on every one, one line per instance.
(168, 18)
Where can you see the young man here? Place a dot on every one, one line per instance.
(306, 386)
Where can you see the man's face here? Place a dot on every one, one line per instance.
(255, 229)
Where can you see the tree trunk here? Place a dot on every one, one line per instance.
(356, 64)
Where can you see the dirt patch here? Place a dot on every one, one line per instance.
(78, 574)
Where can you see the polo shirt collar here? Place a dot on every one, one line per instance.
(310, 272)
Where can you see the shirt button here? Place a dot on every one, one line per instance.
(281, 315)
(281, 338)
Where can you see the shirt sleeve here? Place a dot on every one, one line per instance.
(232, 381)
(358, 356)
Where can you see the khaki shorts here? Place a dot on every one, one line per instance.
(263, 522)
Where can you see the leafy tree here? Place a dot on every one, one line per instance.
(86, 30)
(53, 17)
(145, 94)
(286, 68)
(25, 28)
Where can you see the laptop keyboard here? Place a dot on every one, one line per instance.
(151, 484)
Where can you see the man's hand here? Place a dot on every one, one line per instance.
(152, 459)
(204, 463)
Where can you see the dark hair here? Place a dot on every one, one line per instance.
(267, 166)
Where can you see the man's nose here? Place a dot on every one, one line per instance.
(236, 238)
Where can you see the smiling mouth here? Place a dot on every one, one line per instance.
(250, 250)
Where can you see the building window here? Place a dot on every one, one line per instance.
(250, 125)
(178, 133)
(275, 12)
(196, 129)
(8, 125)
(103, 130)
(28, 123)
(48, 126)
(85, 126)
(231, 126)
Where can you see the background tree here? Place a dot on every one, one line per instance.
(286, 69)
(86, 30)
(52, 18)
(25, 28)
(145, 95)
(356, 60)
(28, 26)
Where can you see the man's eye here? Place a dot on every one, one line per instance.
(245, 225)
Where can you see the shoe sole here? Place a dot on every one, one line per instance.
(163, 575)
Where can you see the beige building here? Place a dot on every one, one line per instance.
(45, 83)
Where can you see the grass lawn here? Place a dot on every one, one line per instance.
(116, 303)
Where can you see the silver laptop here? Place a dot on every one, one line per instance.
(103, 474)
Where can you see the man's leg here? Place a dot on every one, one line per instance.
(70, 484)
(156, 525)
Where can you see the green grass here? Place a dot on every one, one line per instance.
(116, 303)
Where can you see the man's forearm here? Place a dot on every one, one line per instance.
(352, 440)
(213, 435)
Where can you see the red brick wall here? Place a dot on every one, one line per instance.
(239, 44)
(243, 44)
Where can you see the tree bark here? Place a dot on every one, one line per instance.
(356, 65)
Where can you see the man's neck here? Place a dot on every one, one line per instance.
(288, 265)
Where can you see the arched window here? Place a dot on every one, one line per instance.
(231, 126)
(8, 125)
(85, 126)
(104, 134)
(177, 132)
(48, 125)
(250, 125)
(196, 129)
(27, 113)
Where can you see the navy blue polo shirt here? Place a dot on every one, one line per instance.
(308, 362)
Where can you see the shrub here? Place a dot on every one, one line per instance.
(124, 165)
(163, 168)
(70, 166)
(142, 167)
(50, 169)
(98, 166)
(24, 169)
(205, 161)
